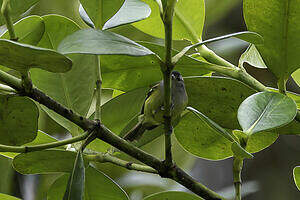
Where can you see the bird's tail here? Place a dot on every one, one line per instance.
(135, 133)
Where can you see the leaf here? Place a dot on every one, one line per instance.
(252, 57)
(29, 30)
(131, 11)
(235, 147)
(18, 120)
(91, 41)
(22, 57)
(174, 195)
(73, 89)
(84, 16)
(8, 197)
(75, 188)
(42, 162)
(98, 186)
(99, 11)
(188, 20)
(278, 22)
(18, 8)
(266, 110)
(296, 173)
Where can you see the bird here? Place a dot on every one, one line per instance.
(152, 112)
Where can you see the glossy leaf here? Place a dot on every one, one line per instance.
(296, 174)
(279, 24)
(18, 8)
(98, 186)
(75, 187)
(99, 11)
(29, 30)
(97, 42)
(131, 11)
(73, 89)
(252, 57)
(174, 195)
(188, 20)
(84, 16)
(18, 120)
(266, 110)
(21, 57)
(42, 162)
(8, 197)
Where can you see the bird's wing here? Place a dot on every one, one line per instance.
(148, 95)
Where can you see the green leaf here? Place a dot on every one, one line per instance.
(42, 162)
(266, 110)
(29, 30)
(18, 8)
(99, 11)
(73, 89)
(260, 141)
(278, 22)
(75, 188)
(252, 57)
(235, 147)
(98, 186)
(188, 20)
(22, 57)
(131, 11)
(8, 197)
(18, 120)
(174, 195)
(296, 173)
(97, 42)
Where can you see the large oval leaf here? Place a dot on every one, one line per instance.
(279, 24)
(188, 20)
(73, 89)
(41, 162)
(18, 120)
(174, 195)
(18, 8)
(131, 11)
(97, 42)
(266, 110)
(22, 57)
(97, 187)
(296, 174)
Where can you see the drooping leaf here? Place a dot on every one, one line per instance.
(22, 57)
(76, 182)
(97, 42)
(296, 174)
(99, 11)
(266, 110)
(279, 24)
(131, 11)
(73, 89)
(8, 197)
(41, 162)
(84, 16)
(188, 20)
(174, 195)
(18, 120)
(18, 8)
(252, 57)
(98, 186)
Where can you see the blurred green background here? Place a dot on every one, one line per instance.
(267, 177)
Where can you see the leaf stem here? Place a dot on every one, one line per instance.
(98, 89)
(5, 88)
(25, 149)
(5, 10)
(104, 157)
(237, 170)
(282, 86)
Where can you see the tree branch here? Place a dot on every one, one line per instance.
(237, 170)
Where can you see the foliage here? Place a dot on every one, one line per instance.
(92, 81)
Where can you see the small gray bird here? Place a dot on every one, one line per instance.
(152, 113)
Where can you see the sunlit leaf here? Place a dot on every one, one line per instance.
(296, 174)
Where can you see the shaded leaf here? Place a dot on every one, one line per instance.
(41, 162)
(296, 174)
(131, 11)
(91, 41)
(75, 187)
(174, 195)
(266, 110)
(18, 120)
(278, 22)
